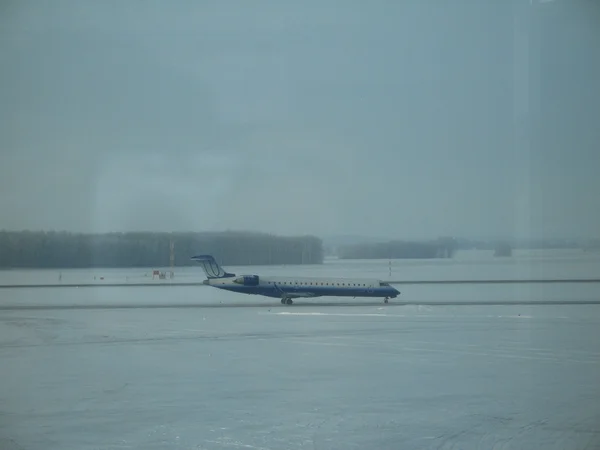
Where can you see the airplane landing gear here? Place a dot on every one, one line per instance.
(386, 300)
(286, 301)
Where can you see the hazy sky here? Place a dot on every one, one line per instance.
(390, 118)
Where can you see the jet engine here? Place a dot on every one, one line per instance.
(247, 280)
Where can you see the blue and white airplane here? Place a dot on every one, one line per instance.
(288, 288)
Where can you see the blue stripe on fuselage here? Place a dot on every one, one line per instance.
(316, 291)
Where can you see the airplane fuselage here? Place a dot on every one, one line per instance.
(299, 287)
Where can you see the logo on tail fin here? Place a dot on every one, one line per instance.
(211, 268)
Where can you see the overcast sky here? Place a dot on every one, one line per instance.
(382, 118)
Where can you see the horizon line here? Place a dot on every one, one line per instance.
(324, 237)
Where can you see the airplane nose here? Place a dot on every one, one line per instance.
(395, 291)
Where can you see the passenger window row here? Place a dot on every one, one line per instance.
(317, 284)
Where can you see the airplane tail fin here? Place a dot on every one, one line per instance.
(211, 268)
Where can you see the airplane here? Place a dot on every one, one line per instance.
(289, 288)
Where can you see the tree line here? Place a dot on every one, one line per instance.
(440, 248)
(41, 249)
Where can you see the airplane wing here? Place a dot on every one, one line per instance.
(293, 293)
(299, 294)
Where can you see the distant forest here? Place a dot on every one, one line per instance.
(441, 248)
(38, 249)
(446, 247)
